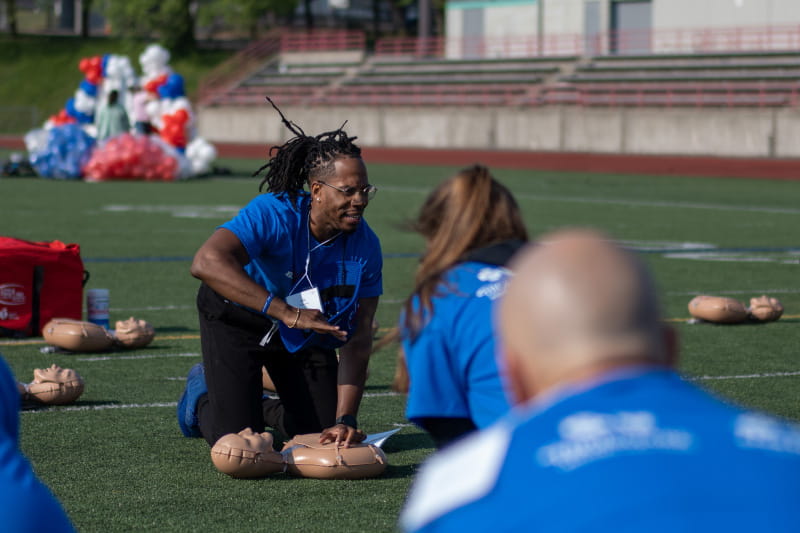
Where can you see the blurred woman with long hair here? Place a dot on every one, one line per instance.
(472, 226)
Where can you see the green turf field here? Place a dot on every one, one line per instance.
(117, 460)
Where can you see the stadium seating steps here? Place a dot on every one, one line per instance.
(764, 79)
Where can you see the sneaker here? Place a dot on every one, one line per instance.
(187, 406)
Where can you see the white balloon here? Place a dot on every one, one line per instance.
(36, 140)
(178, 103)
(154, 112)
(201, 153)
(154, 60)
(110, 84)
(85, 103)
(113, 67)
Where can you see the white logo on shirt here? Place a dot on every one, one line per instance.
(289, 274)
(496, 286)
(490, 274)
(587, 437)
(754, 430)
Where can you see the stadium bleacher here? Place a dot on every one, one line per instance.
(718, 79)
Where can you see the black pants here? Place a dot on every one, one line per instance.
(305, 381)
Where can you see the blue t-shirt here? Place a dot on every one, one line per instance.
(645, 452)
(26, 504)
(274, 231)
(451, 363)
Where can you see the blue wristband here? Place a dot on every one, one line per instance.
(266, 304)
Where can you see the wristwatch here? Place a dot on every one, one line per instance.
(347, 420)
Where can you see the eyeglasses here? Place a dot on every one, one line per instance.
(369, 191)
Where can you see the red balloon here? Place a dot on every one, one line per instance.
(153, 85)
(62, 118)
(181, 115)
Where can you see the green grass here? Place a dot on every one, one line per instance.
(42, 72)
(131, 470)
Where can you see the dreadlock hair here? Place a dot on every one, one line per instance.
(470, 210)
(301, 158)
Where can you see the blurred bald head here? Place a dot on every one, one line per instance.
(578, 305)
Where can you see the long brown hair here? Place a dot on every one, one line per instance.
(468, 211)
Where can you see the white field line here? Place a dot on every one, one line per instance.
(154, 308)
(626, 202)
(669, 205)
(130, 357)
(105, 406)
(752, 292)
(178, 211)
(723, 257)
(746, 376)
(102, 407)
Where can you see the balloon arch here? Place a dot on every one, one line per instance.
(66, 146)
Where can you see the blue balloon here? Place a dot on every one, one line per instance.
(82, 118)
(103, 63)
(173, 87)
(68, 150)
(89, 88)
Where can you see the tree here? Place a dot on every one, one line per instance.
(243, 15)
(86, 11)
(308, 15)
(398, 11)
(173, 21)
(11, 16)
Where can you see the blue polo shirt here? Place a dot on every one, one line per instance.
(451, 362)
(641, 452)
(26, 504)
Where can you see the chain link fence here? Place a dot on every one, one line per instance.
(19, 119)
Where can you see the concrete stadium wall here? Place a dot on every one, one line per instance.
(687, 14)
(671, 20)
(314, 58)
(711, 132)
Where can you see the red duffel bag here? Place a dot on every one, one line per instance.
(38, 281)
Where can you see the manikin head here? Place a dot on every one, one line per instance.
(55, 374)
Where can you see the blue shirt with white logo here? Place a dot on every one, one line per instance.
(644, 452)
(26, 504)
(451, 363)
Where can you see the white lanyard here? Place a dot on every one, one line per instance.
(310, 249)
(274, 328)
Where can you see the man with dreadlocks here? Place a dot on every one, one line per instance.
(295, 275)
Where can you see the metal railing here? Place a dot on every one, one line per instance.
(672, 41)
(710, 94)
(436, 95)
(228, 74)
(322, 40)
(19, 119)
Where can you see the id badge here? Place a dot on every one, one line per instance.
(307, 299)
